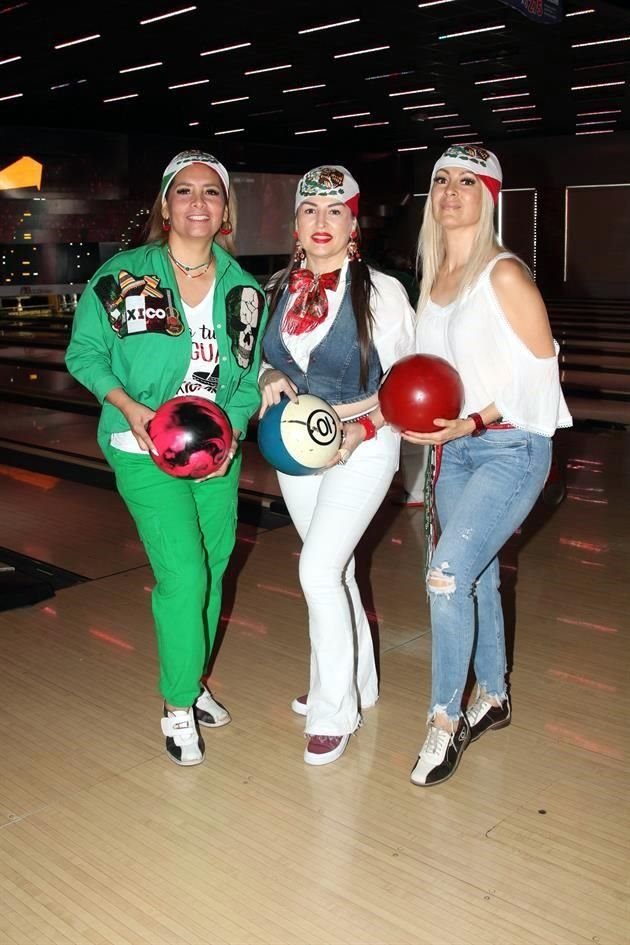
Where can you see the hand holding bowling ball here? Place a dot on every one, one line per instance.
(299, 437)
(192, 435)
(419, 389)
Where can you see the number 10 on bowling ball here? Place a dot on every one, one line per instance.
(192, 436)
(418, 390)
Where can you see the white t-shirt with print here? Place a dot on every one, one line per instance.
(202, 376)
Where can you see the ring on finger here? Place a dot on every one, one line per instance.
(344, 456)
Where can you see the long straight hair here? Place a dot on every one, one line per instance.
(360, 296)
(154, 232)
(432, 248)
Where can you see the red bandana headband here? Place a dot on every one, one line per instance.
(481, 162)
(329, 180)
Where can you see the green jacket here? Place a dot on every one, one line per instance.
(130, 331)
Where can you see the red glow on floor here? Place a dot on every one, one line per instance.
(276, 589)
(38, 480)
(147, 589)
(584, 489)
(590, 564)
(111, 639)
(581, 465)
(581, 680)
(587, 462)
(508, 567)
(580, 742)
(50, 611)
(397, 541)
(583, 545)
(260, 628)
(583, 498)
(601, 628)
(248, 541)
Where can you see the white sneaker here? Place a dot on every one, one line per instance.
(209, 712)
(184, 744)
(440, 755)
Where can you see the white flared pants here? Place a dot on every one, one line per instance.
(331, 511)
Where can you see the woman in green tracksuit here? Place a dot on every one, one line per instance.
(176, 316)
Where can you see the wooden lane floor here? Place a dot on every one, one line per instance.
(103, 840)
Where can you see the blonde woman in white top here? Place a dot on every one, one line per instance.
(479, 309)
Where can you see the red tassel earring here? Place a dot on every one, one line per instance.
(166, 224)
(354, 253)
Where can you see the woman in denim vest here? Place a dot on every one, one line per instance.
(335, 327)
(479, 308)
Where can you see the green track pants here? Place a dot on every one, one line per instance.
(188, 530)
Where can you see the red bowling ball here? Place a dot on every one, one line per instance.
(418, 390)
(192, 436)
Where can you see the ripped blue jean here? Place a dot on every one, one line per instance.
(486, 488)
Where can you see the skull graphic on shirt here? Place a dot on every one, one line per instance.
(244, 307)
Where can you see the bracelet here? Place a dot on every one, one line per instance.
(368, 425)
(480, 426)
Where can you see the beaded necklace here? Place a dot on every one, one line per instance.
(187, 270)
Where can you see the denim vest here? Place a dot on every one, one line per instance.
(334, 366)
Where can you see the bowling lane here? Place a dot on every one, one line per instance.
(65, 434)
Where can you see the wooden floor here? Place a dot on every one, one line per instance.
(103, 841)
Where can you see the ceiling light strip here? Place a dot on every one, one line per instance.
(76, 42)
(482, 29)
(268, 69)
(351, 115)
(148, 65)
(505, 78)
(228, 101)
(411, 92)
(166, 16)
(328, 26)
(304, 88)
(121, 98)
(361, 52)
(597, 85)
(214, 52)
(411, 108)
(601, 42)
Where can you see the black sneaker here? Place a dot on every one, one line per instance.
(440, 754)
(483, 715)
(184, 744)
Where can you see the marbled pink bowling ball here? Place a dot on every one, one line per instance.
(192, 436)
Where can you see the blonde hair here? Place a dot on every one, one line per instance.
(154, 232)
(432, 248)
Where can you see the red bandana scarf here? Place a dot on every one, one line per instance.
(310, 306)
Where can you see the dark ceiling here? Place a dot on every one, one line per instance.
(67, 87)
